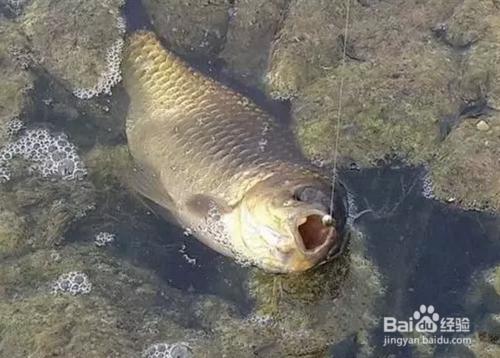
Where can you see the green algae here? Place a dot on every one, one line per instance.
(466, 168)
(377, 119)
(463, 28)
(483, 63)
(306, 45)
(268, 290)
(389, 103)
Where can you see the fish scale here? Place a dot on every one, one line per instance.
(192, 139)
(162, 82)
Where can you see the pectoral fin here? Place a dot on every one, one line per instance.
(148, 184)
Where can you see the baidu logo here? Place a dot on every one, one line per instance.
(427, 321)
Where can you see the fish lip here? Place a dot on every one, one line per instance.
(337, 249)
(323, 249)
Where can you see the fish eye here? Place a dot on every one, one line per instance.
(309, 195)
(312, 195)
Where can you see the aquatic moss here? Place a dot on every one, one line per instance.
(268, 290)
(467, 23)
(44, 325)
(390, 105)
(466, 166)
(381, 115)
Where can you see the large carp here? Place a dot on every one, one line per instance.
(224, 167)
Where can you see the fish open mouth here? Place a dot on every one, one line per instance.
(314, 233)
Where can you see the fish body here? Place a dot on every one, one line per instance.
(223, 166)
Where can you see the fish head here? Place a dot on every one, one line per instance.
(291, 226)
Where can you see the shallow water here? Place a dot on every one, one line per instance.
(427, 253)
(408, 250)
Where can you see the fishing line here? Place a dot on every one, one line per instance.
(339, 108)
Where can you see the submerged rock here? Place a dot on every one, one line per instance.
(40, 324)
(128, 309)
(466, 166)
(306, 46)
(50, 207)
(389, 103)
(72, 40)
(15, 80)
(252, 28)
(391, 106)
(483, 301)
(193, 28)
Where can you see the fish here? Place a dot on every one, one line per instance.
(222, 166)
